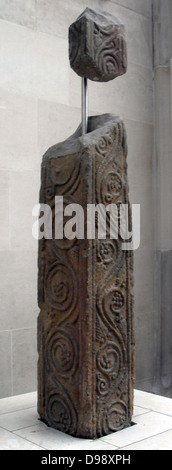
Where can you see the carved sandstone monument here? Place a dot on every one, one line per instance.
(85, 325)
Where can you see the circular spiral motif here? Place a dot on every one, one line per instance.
(111, 187)
(108, 61)
(61, 287)
(116, 416)
(49, 192)
(109, 53)
(61, 413)
(64, 172)
(59, 220)
(103, 384)
(109, 359)
(62, 351)
(112, 418)
(102, 146)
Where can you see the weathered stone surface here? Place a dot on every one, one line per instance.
(97, 46)
(85, 330)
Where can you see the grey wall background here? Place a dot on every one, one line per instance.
(39, 106)
(162, 38)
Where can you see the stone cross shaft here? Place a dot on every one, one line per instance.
(85, 324)
(97, 50)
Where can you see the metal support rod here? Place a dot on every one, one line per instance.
(84, 106)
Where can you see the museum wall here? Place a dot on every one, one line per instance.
(40, 106)
(162, 40)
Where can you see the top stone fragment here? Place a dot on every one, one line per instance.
(97, 46)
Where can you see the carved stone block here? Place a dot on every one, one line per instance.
(85, 329)
(97, 46)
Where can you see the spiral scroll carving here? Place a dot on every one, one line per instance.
(111, 303)
(97, 46)
(62, 351)
(61, 288)
(61, 413)
(109, 52)
(104, 145)
(84, 292)
(109, 358)
(114, 417)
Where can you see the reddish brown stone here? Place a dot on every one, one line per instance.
(85, 327)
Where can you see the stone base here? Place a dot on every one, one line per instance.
(85, 325)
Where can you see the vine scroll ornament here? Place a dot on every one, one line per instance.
(85, 325)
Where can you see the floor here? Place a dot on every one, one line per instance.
(20, 427)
